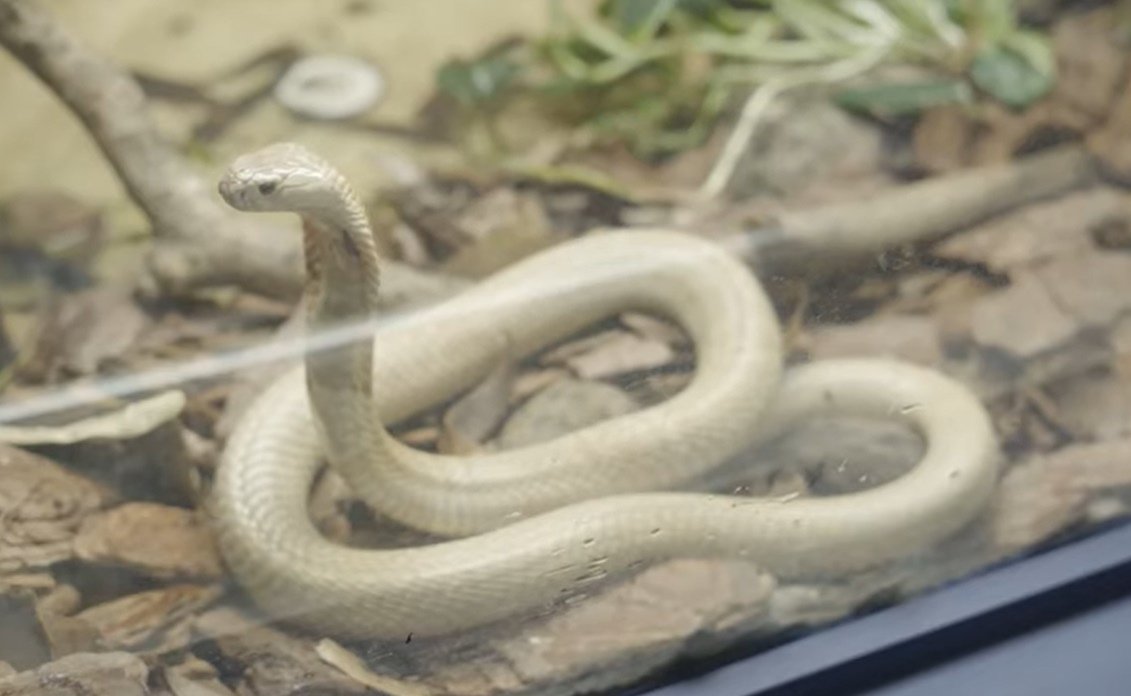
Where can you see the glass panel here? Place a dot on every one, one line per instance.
(513, 347)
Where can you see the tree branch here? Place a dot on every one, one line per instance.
(199, 243)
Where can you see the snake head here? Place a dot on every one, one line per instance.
(284, 177)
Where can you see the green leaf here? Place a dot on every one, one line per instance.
(639, 20)
(904, 98)
(476, 82)
(1011, 76)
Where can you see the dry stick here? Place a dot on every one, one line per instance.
(823, 240)
(200, 244)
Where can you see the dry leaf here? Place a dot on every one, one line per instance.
(1091, 61)
(531, 382)
(1037, 233)
(1112, 144)
(92, 329)
(133, 420)
(1095, 288)
(1047, 494)
(502, 227)
(351, 665)
(15, 582)
(559, 354)
(158, 540)
(477, 414)
(1024, 320)
(913, 338)
(942, 138)
(650, 327)
(619, 636)
(51, 222)
(327, 505)
(194, 677)
(623, 353)
(41, 507)
(1094, 405)
(564, 406)
(270, 661)
(117, 673)
(140, 619)
(65, 634)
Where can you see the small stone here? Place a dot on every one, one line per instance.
(330, 87)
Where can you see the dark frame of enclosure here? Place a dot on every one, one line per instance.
(936, 627)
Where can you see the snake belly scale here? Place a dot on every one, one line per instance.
(524, 527)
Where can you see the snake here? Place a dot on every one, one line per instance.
(517, 530)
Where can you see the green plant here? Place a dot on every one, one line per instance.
(656, 74)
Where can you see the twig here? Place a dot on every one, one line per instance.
(822, 240)
(759, 101)
(199, 243)
(134, 419)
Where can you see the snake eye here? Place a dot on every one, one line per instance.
(267, 187)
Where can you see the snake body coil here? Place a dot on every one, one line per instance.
(540, 522)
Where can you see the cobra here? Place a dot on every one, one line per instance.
(522, 528)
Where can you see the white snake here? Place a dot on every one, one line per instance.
(541, 522)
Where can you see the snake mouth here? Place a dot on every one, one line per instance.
(232, 193)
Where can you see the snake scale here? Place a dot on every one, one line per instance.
(522, 528)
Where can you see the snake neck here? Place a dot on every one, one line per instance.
(343, 279)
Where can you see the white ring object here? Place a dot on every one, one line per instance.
(330, 87)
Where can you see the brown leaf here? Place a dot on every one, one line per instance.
(559, 354)
(51, 222)
(98, 674)
(41, 507)
(912, 338)
(1091, 61)
(91, 329)
(478, 413)
(1090, 66)
(194, 677)
(942, 138)
(617, 637)
(140, 619)
(1047, 494)
(647, 326)
(502, 227)
(1038, 233)
(1094, 405)
(1093, 287)
(531, 382)
(1112, 144)
(270, 661)
(564, 406)
(1024, 320)
(622, 353)
(65, 634)
(334, 654)
(157, 540)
